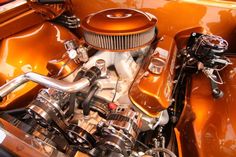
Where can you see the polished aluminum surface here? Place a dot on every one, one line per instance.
(70, 87)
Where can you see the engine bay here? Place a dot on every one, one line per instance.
(117, 91)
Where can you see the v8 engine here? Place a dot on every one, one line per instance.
(116, 91)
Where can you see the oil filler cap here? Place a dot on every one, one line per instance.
(156, 66)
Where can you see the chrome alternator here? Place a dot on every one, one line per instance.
(120, 131)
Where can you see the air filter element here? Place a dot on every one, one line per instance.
(119, 29)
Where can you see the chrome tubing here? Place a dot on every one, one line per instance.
(70, 87)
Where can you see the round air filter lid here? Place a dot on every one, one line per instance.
(118, 22)
(119, 29)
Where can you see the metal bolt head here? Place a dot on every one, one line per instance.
(72, 54)
(70, 45)
(101, 64)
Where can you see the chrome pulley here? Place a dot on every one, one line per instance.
(80, 136)
(49, 109)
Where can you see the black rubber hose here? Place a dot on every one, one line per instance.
(92, 74)
(86, 102)
(15, 111)
(5, 153)
(73, 95)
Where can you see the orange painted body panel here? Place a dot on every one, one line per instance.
(150, 92)
(21, 14)
(18, 23)
(209, 124)
(26, 51)
(13, 9)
